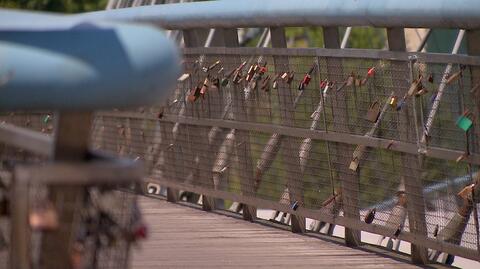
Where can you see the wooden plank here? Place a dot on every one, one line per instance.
(339, 220)
(186, 237)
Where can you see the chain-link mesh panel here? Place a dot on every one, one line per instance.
(316, 159)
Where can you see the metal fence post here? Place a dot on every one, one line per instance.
(242, 137)
(413, 181)
(349, 179)
(288, 144)
(71, 144)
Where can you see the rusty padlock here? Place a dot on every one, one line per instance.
(204, 88)
(415, 87)
(373, 112)
(454, 77)
(194, 94)
(266, 84)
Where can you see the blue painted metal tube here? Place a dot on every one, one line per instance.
(88, 66)
(262, 13)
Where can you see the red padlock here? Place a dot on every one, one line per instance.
(371, 72)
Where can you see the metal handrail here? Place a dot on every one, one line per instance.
(252, 13)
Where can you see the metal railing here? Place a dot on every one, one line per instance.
(231, 146)
(311, 153)
(376, 141)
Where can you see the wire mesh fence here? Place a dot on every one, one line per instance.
(388, 100)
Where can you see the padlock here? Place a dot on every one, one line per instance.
(464, 122)
(370, 216)
(194, 94)
(262, 69)
(275, 81)
(212, 66)
(216, 82)
(430, 78)
(350, 80)
(354, 165)
(329, 86)
(44, 218)
(371, 72)
(237, 73)
(323, 84)
(466, 193)
(421, 92)
(373, 112)
(393, 101)
(251, 72)
(224, 82)
(204, 88)
(358, 82)
(397, 232)
(433, 97)
(304, 83)
(306, 79)
(454, 77)
(435, 231)
(290, 77)
(363, 81)
(237, 78)
(415, 87)
(183, 77)
(266, 84)
(461, 157)
(47, 119)
(295, 205)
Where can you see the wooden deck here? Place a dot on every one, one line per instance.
(181, 236)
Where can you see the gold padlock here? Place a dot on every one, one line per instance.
(393, 101)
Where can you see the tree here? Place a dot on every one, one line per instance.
(64, 6)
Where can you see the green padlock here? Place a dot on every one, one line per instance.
(46, 119)
(224, 82)
(464, 123)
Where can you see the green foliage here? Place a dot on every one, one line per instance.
(367, 38)
(64, 6)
